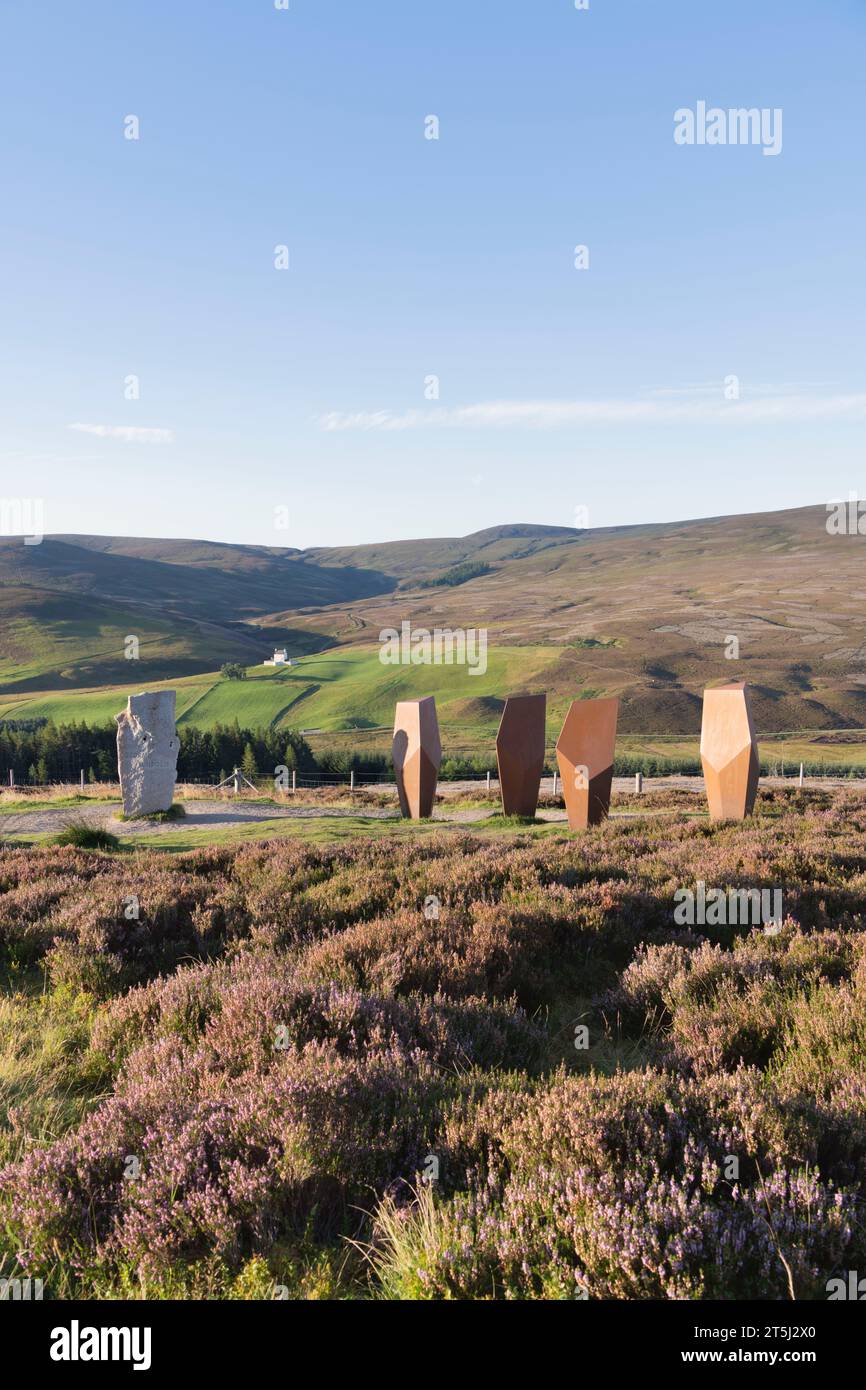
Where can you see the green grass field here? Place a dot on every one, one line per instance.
(100, 705)
(338, 690)
(347, 697)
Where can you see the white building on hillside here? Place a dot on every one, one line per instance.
(280, 658)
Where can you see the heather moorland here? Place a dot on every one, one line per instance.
(446, 1066)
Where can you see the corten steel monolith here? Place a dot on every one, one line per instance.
(520, 753)
(417, 754)
(584, 751)
(729, 751)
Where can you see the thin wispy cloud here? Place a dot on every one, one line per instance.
(130, 434)
(783, 408)
(710, 389)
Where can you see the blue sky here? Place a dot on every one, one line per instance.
(268, 395)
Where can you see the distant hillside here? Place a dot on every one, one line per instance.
(644, 612)
(196, 578)
(428, 559)
(68, 604)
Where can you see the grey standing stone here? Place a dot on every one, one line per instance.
(147, 746)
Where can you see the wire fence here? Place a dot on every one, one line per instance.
(359, 779)
(551, 784)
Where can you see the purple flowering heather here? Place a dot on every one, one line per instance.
(289, 1043)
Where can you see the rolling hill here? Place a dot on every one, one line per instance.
(644, 612)
(67, 605)
(201, 579)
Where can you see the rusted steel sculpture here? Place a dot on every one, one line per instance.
(729, 751)
(584, 751)
(520, 753)
(417, 753)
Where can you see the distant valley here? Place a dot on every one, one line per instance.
(642, 612)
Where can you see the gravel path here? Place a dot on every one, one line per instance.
(217, 815)
(211, 815)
